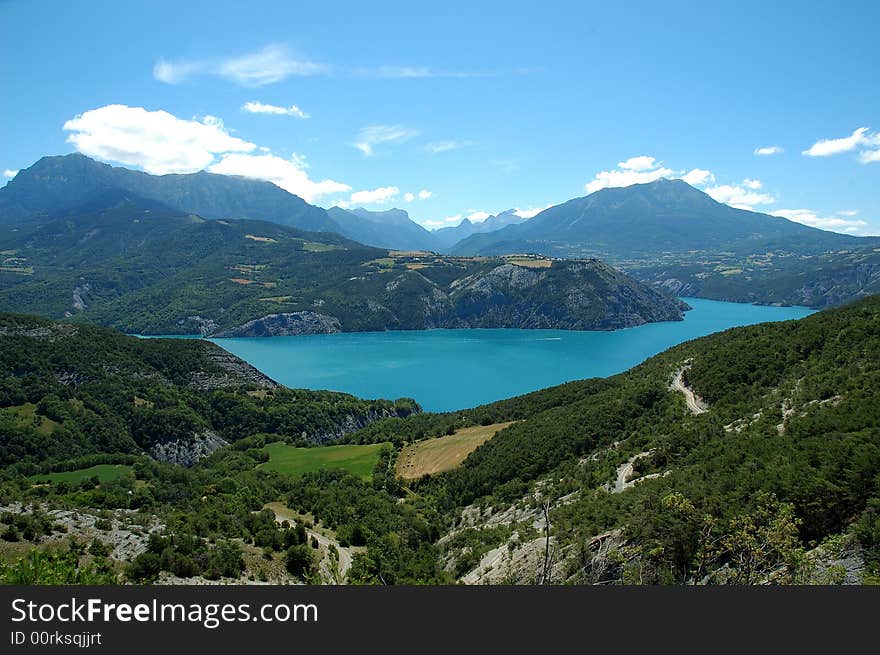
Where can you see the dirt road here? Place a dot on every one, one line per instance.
(695, 404)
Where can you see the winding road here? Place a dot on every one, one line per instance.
(695, 404)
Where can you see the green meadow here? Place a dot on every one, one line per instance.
(357, 460)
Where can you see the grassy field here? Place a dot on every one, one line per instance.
(26, 414)
(433, 456)
(104, 472)
(358, 460)
(530, 262)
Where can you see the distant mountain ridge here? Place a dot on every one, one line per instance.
(649, 221)
(392, 228)
(447, 237)
(55, 184)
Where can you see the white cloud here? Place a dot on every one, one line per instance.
(643, 169)
(636, 170)
(742, 196)
(834, 222)
(868, 156)
(448, 221)
(641, 163)
(289, 174)
(9, 173)
(768, 150)
(267, 66)
(698, 177)
(155, 141)
(373, 135)
(378, 196)
(445, 146)
(257, 107)
(424, 194)
(827, 147)
(477, 216)
(530, 212)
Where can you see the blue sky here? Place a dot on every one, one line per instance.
(459, 109)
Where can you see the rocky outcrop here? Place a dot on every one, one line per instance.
(353, 422)
(187, 452)
(200, 325)
(285, 325)
(79, 304)
(237, 373)
(572, 295)
(48, 332)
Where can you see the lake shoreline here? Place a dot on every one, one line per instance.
(448, 369)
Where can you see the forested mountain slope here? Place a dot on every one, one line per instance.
(129, 263)
(72, 391)
(787, 455)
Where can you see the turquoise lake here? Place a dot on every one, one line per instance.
(454, 369)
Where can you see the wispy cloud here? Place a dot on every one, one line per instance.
(410, 72)
(445, 146)
(374, 135)
(257, 107)
(276, 62)
(9, 173)
(860, 138)
(273, 63)
(766, 151)
(838, 222)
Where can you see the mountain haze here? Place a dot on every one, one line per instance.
(392, 229)
(449, 236)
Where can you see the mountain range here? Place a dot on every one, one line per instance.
(126, 262)
(665, 233)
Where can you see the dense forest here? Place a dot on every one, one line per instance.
(778, 481)
(137, 266)
(68, 392)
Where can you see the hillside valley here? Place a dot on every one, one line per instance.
(750, 456)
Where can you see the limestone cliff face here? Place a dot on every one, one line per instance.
(568, 295)
(186, 452)
(285, 325)
(355, 421)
